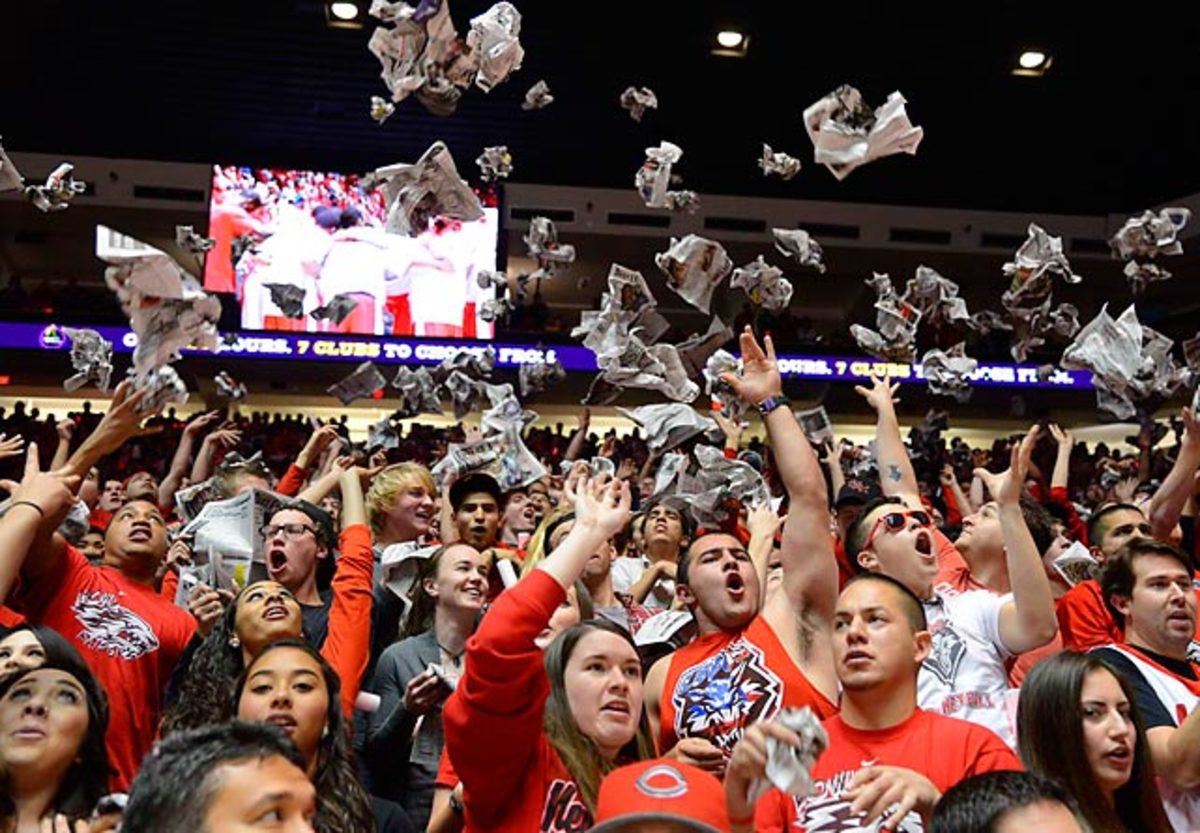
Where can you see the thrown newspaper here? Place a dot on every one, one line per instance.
(789, 767)
(233, 527)
(846, 133)
(400, 564)
(503, 456)
(1076, 564)
(429, 188)
(694, 266)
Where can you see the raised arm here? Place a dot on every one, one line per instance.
(601, 510)
(831, 458)
(182, 461)
(896, 475)
(1176, 752)
(65, 430)
(1168, 502)
(763, 523)
(809, 565)
(1028, 621)
(202, 467)
(575, 447)
(1060, 478)
(40, 498)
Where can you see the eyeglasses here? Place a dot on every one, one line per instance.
(896, 521)
(290, 531)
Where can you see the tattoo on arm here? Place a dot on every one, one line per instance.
(894, 473)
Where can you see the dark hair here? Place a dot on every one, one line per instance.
(205, 694)
(685, 518)
(342, 803)
(178, 780)
(977, 805)
(856, 534)
(1095, 530)
(55, 647)
(1039, 522)
(86, 779)
(323, 533)
(683, 564)
(460, 490)
(914, 611)
(1050, 733)
(577, 751)
(1116, 576)
(420, 617)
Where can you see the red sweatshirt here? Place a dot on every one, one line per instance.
(512, 778)
(348, 643)
(292, 481)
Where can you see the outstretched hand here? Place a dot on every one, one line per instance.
(881, 394)
(760, 379)
(52, 493)
(1005, 487)
(602, 504)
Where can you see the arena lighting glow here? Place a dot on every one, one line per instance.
(729, 39)
(1032, 63)
(344, 11)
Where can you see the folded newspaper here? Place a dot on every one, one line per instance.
(233, 528)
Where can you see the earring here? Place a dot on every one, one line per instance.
(234, 642)
(325, 731)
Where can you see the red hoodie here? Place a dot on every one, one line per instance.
(512, 778)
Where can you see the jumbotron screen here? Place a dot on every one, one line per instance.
(289, 242)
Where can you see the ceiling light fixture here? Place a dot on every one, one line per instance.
(731, 43)
(1032, 63)
(343, 14)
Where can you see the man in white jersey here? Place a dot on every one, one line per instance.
(973, 632)
(1147, 585)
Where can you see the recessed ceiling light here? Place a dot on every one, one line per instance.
(1032, 63)
(731, 43)
(730, 39)
(343, 14)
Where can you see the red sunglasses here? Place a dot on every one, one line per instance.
(896, 521)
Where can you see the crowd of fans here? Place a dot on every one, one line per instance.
(579, 653)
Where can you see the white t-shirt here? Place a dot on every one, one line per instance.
(626, 571)
(965, 674)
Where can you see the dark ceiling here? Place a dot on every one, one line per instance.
(1111, 128)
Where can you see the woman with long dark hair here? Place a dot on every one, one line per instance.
(1078, 723)
(28, 646)
(404, 735)
(531, 736)
(53, 759)
(291, 686)
(266, 612)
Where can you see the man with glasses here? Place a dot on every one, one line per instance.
(974, 632)
(752, 657)
(297, 548)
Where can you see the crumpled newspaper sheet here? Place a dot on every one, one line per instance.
(634, 364)
(464, 393)
(336, 311)
(799, 245)
(1076, 564)
(494, 163)
(423, 55)
(789, 767)
(718, 484)
(695, 350)
(722, 393)
(383, 434)
(636, 100)
(229, 387)
(475, 365)
(56, 193)
(537, 97)
(1128, 361)
(493, 309)
(10, 177)
(896, 320)
(936, 297)
(1151, 234)
(536, 378)
(359, 384)
(816, 425)
(418, 392)
(91, 357)
(763, 284)
(188, 239)
(163, 387)
(846, 133)
(669, 425)
(381, 109)
(429, 188)
(506, 410)
(1032, 269)
(654, 178)
(541, 241)
(288, 297)
(503, 456)
(694, 266)
(778, 162)
(948, 372)
(1140, 275)
(167, 307)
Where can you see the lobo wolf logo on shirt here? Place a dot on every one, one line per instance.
(717, 698)
(827, 810)
(111, 628)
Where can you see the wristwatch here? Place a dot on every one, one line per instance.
(771, 403)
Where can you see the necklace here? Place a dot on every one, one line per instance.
(455, 659)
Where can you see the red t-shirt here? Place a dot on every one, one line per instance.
(722, 682)
(130, 636)
(943, 749)
(513, 780)
(1083, 620)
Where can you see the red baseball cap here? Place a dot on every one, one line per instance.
(680, 797)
